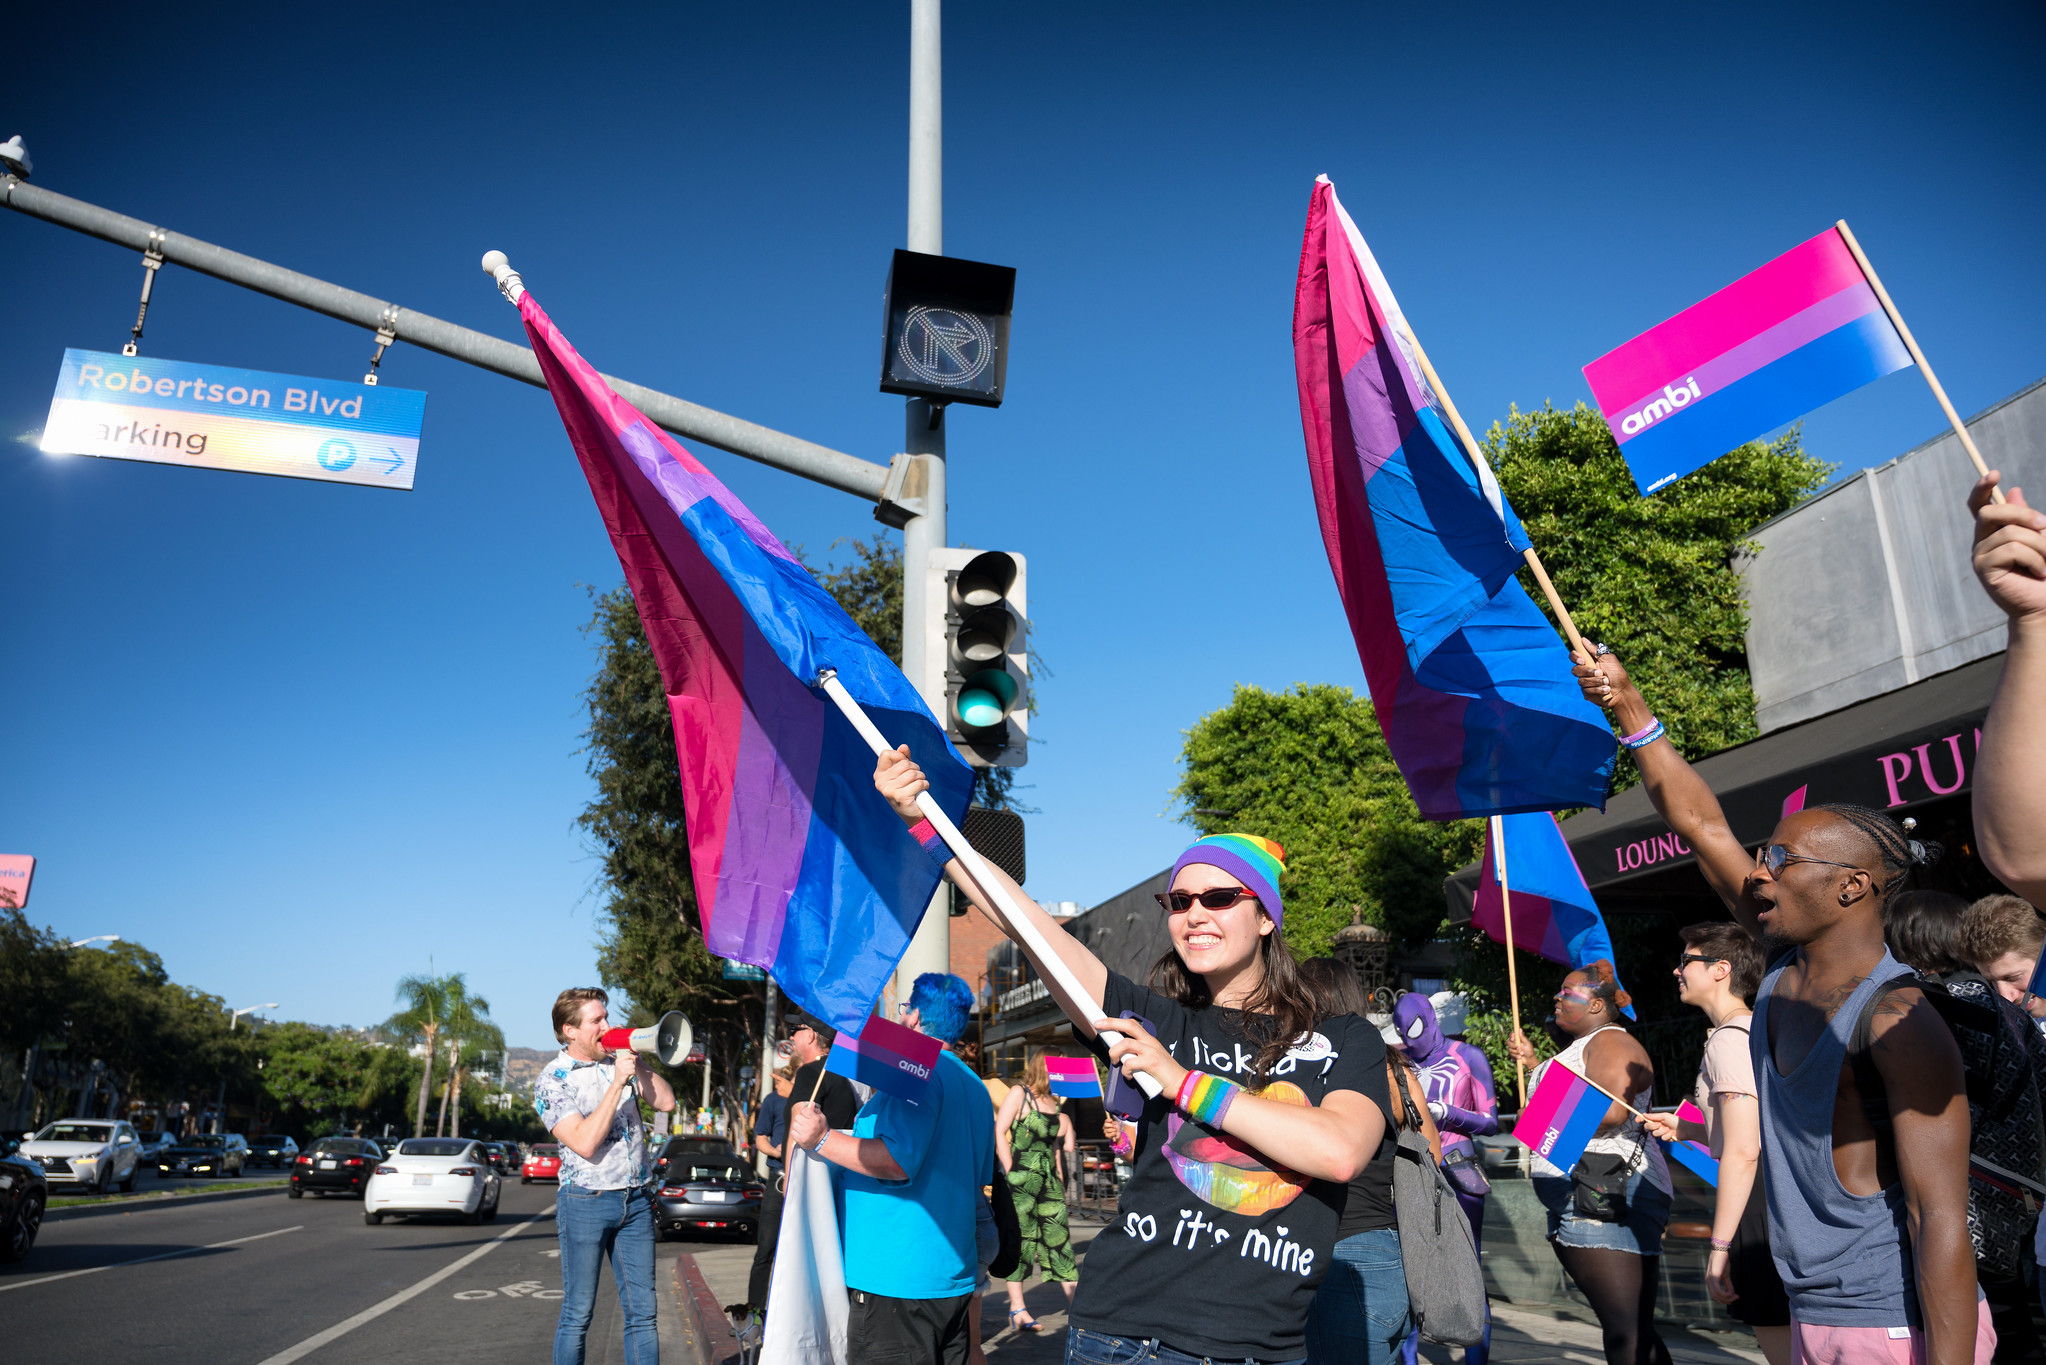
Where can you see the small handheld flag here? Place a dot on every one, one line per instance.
(1561, 1115)
(1073, 1077)
(1794, 335)
(892, 1059)
(1554, 914)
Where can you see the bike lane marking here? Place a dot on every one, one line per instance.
(377, 1310)
(160, 1256)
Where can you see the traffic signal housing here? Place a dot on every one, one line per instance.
(986, 654)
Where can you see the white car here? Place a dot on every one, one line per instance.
(94, 1152)
(433, 1175)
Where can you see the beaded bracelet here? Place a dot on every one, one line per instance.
(926, 833)
(1648, 734)
(1722, 1244)
(1206, 1098)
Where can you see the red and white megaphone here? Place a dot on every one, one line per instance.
(670, 1040)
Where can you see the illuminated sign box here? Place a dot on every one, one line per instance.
(217, 417)
(947, 329)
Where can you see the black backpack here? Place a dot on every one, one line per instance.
(2004, 1061)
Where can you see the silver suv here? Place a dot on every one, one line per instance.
(93, 1152)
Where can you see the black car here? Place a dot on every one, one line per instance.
(507, 1157)
(273, 1149)
(206, 1154)
(705, 1193)
(24, 1194)
(697, 1151)
(334, 1165)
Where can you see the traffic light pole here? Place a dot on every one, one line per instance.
(924, 435)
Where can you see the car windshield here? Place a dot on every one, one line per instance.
(545, 1149)
(76, 1132)
(207, 1140)
(345, 1146)
(433, 1147)
(272, 1140)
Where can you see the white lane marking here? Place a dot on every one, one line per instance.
(160, 1256)
(377, 1310)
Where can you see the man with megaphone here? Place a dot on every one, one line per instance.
(588, 1097)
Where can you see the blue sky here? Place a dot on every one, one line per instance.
(303, 738)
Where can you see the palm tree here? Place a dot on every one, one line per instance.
(427, 1002)
(467, 1016)
(485, 1039)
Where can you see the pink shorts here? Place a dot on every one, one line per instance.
(1811, 1344)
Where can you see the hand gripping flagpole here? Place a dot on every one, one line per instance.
(1498, 832)
(993, 897)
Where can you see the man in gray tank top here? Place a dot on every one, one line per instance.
(1868, 1194)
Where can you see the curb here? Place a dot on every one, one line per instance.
(710, 1331)
(154, 1201)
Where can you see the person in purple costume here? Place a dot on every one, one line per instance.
(1458, 1082)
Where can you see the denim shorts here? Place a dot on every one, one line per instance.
(1640, 1232)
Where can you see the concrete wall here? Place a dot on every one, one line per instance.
(1866, 588)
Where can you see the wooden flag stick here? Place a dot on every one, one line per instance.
(1477, 457)
(1917, 356)
(1498, 830)
(988, 893)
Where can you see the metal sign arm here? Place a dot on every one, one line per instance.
(821, 464)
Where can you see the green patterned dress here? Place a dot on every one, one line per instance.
(1040, 1197)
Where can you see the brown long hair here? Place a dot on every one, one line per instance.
(1278, 1013)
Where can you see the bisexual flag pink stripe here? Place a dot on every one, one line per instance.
(1806, 274)
(1560, 1090)
(1630, 419)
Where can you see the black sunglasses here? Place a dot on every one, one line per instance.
(1221, 898)
(1688, 958)
(1776, 857)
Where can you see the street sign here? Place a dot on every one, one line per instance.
(251, 421)
(740, 971)
(17, 870)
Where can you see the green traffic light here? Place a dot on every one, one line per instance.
(985, 698)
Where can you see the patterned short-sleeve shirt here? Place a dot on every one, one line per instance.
(570, 1087)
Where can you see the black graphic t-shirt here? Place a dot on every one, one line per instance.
(1213, 1250)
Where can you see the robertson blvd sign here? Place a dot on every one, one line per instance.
(217, 417)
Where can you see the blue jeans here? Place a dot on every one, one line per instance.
(592, 1224)
(1359, 1316)
(1098, 1348)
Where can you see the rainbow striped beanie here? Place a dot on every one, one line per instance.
(1255, 862)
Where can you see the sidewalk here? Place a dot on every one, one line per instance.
(1520, 1335)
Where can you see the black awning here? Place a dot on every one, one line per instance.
(1894, 752)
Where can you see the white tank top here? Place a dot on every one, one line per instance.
(1628, 1142)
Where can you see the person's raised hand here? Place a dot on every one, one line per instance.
(2010, 550)
(1663, 1126)
(1132, 1048)
(807, 1125)
(1521, 1050)
(900, 780)
(1603, 679)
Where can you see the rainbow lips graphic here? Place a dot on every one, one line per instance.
(1225, 1173)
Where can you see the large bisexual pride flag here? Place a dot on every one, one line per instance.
(799, 865)
(1554, 914)
(1561, 1115)
(1800, 332)
(1469, 681)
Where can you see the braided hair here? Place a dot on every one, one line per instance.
(1893, 843)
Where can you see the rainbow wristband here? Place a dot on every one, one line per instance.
(925, 833)
(1648, 734)
(1206, 1098)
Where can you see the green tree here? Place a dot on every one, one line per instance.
(1651, 576)
(428, 1003)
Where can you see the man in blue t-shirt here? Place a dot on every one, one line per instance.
(910, 1194)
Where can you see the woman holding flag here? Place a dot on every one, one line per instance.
(1607, 1213)
(1267, 1110)
(1032, 1134)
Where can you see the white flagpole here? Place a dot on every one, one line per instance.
(1083, 1009)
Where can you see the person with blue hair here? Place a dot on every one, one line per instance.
(911, 1180)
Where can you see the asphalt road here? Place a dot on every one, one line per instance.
(266, 1280)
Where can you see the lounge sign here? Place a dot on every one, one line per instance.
(218, 417)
